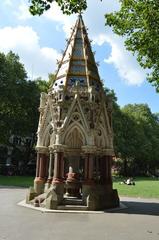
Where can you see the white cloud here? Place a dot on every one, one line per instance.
(126, 65)
(8, 2)
(22, 13)
(38, 61)
(64, 22)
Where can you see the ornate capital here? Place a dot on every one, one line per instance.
(89, 149)
(51, 150)
(58, 148)
(42, 149)
(108, 151)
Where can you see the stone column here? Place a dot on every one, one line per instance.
(50, 169)
(106, 177)
(57, 182)
(109, 169)
(62, 165)
(43, 166)
(37, 164)
(40, 170)
(88, 186)
(89, 163)
(103, 170)
(86, 166)
(51, 166)
(58, 167)
(90, 167)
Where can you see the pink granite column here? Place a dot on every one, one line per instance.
(62, 165)
(37, 164)
(89, 167)
(103, 169)
(86, 167)
(50, 171)
(110, 169)
(42, 167)
(40, 172)
(58, 167)
(107, 169)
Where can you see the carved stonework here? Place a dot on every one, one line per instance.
(75, 144)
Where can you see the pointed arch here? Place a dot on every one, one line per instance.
(46, 136)
(101, 137)
(75, 107)
(75, 136)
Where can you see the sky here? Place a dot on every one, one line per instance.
(39, 42)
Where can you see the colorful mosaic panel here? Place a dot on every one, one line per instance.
(73, 79)
(78, 41)
(78, 45)
(78, 52)
(78, 62)
(77, 69)
(79, 35)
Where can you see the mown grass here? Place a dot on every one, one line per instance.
(18, 181)
(144, 187)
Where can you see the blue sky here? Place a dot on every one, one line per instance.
(39, 41)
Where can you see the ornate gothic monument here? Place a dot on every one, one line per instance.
(75, 138)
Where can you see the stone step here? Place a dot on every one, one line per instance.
(72, 201)
(72, 207)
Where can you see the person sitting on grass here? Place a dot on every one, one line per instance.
(130, 181)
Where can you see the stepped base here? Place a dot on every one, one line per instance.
(72, 207)
(72, 203)
(93, 198)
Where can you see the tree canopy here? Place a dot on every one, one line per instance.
(19, 98)
(138, 22)
(137, 139)
(67, 6)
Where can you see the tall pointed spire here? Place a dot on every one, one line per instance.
(78, 63)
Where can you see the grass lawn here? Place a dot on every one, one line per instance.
(20, 181)
(144, 188)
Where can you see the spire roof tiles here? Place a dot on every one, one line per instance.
(78, 63)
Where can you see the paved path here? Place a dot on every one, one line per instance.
(140, 221)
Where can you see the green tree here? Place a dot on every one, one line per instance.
(51, 79)
(141, 139)
(42, 85)
(67, 6)
(12, 77)
(138, 22)
(19, 99)
(136, 137)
